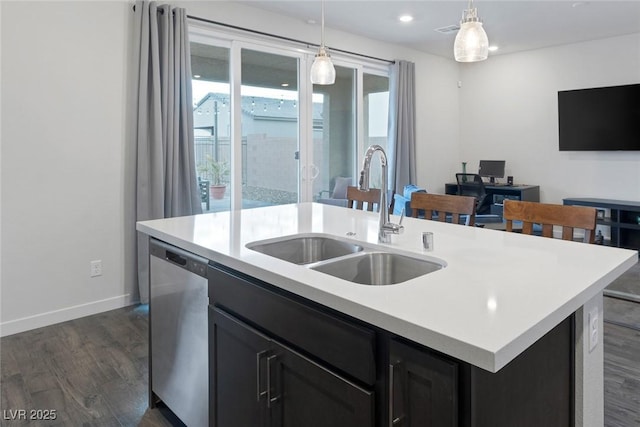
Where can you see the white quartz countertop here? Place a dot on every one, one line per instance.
(498, 294)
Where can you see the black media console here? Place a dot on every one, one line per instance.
(622, 216)
(497, 193)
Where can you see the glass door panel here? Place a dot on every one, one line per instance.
(376, 109)
(270, 122)
(375, 90)
(211, 122)
(334, 133)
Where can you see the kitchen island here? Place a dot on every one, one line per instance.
(497, 295)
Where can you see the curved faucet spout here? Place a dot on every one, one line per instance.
(386, 226)
(366, 165)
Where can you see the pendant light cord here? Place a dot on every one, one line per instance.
(322, 25)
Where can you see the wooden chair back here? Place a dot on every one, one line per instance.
(548, 215)
(445, 205)
(357, 197)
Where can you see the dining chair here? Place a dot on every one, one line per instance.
(547, 215)
(357, 197)
(444, 207)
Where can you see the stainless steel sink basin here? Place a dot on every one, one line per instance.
(361, 263)
(306, 249)
(378, 268)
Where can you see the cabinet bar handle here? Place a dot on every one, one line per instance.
(259, 357)
(393, 421)
(269, 398)
(391, 371)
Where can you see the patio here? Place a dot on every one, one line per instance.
(252, 197)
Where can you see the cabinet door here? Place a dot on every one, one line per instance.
(304, 393)
(238, 364)
(423, 388)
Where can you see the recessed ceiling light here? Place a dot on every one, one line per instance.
(405, 18)
(493, 48)
(196, 76)
(285, 85)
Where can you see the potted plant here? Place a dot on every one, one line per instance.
(215, 171)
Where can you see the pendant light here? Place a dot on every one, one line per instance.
(471, 43)
(322, 70)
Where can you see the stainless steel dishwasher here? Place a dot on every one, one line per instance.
(178, 362)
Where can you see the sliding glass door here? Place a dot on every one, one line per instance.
(375, 117)
(270, 137)
(348, 117)
(334, 133)
(270, 129)
(212, 124)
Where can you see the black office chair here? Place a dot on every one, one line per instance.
(471, 184)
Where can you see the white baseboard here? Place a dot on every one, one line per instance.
(56, 316)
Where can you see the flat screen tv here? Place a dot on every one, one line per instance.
(603, 118)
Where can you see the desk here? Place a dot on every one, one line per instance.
(497, 193)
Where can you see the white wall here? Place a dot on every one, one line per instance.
(63, 143)
(508, 110)
(66, 181)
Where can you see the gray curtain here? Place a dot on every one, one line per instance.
(402, 125)
(166, 184)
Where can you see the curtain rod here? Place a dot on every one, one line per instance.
(262, 33)
(308, 44)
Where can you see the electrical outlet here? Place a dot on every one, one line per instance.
(593, 329)
(96, 268)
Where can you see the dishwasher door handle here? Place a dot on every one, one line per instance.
(175, 258)
(178, 257)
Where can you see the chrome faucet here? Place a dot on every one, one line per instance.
(386, 227)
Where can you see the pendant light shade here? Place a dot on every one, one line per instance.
(322, 71)
(472, 43)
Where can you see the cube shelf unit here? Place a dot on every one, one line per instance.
(623, 218)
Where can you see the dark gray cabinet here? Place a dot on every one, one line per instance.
(305, 326)
(277, 359)
(423, 388)
(237, 360)
(261, 382)
(308, 394)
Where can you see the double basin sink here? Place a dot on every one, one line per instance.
(347, 259)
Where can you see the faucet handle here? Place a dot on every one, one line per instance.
(391, 228)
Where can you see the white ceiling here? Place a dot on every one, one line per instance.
(512, 25)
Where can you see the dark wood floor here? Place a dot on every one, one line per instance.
(93, 372)
(621, 363)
